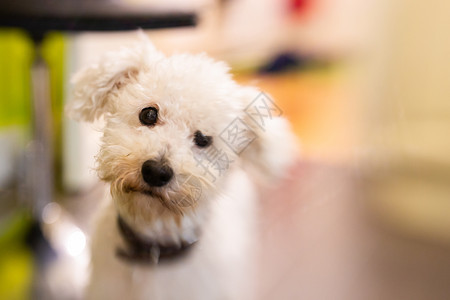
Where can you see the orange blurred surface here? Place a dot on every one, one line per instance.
(320, 104)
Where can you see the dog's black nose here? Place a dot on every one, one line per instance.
(156, 173)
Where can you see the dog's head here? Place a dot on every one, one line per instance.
(174, 127)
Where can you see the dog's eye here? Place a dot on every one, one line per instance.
(201, 140)
(148, 116)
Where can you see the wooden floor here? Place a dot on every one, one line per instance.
(319, 241)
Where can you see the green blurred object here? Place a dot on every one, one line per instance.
(16, 260)
(16, 57)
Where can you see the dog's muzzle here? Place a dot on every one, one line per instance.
(156, 173)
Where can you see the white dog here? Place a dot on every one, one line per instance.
(178, 132)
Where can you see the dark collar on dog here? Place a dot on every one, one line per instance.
(142, 250)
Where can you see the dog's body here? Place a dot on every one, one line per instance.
(178, 132)
(219, 266)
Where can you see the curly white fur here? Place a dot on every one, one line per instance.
(191, 92)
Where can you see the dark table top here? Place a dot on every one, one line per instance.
(40, 16)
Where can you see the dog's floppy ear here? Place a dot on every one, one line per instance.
(93, 85)
(273, 147)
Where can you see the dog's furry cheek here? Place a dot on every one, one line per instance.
(114, 163)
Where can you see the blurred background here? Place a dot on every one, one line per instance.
(365, 213)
